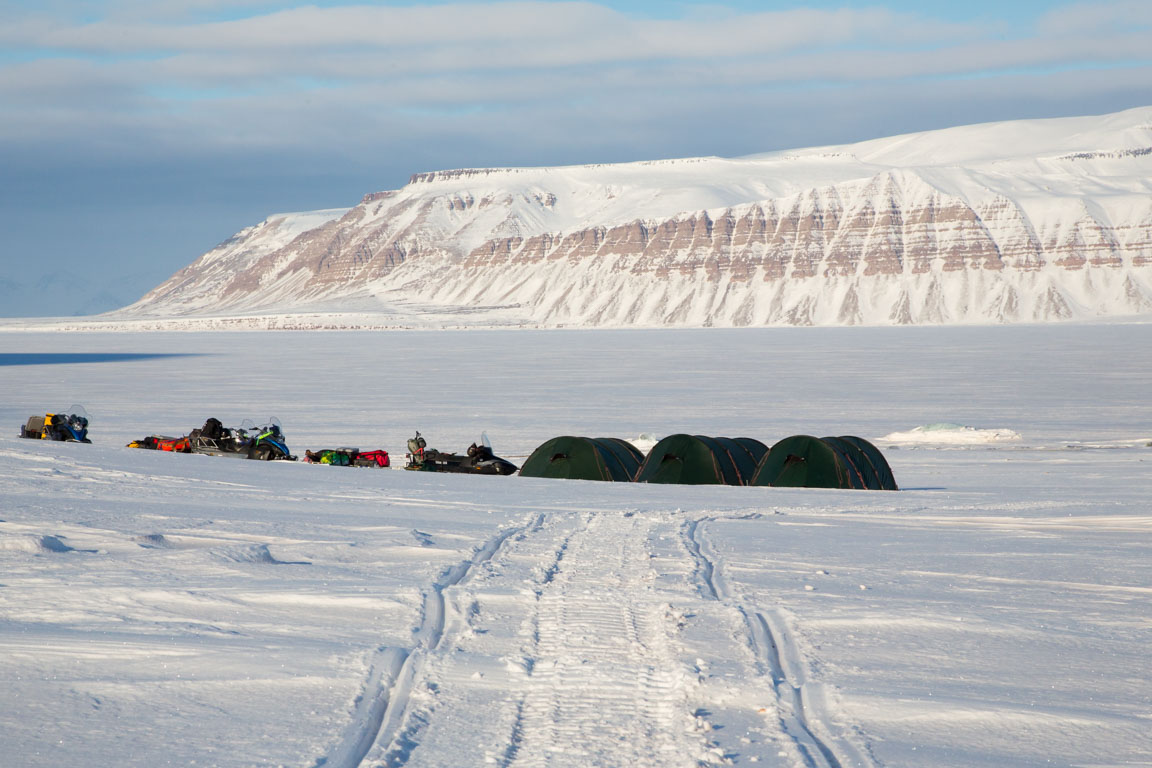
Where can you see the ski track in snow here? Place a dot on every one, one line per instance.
(801, 705)
(381, 714)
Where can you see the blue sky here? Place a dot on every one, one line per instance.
(136, 134)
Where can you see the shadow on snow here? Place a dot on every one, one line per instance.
(57, 358)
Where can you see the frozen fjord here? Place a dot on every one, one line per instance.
(184, 609)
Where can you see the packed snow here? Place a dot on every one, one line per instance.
(161, 609)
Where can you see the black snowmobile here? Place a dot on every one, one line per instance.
(246, 441)
(478, 460)
(68, 425)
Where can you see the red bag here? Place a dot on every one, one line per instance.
(373, 459)
(174, 444)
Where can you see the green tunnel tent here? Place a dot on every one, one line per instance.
(756, 449)
(887, 481)
(745, 457)
(803, 461)
(699, 460)
(584, 458)
(629, 455)
(863, 475)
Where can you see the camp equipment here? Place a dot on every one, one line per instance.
(584, 458)
(163, 443)
(803, 461)
(887, 482)
(348, 457)
(700, 460)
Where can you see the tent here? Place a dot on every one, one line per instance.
(629, 455)
(876, 459)
(584, 458)
(745, 454)
(803, 461)
(699, 460)
(863, 475)
(756, 449)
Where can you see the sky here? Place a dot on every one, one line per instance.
(137, 134)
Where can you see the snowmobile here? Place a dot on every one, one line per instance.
(246, 441)
(478, 460)
(69, 425)
(348, 457)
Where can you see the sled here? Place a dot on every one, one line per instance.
(163, 443)
(348, 457)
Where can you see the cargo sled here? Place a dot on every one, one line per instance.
(478, 460)
(67, 425)
(348, 457)
(163, 443)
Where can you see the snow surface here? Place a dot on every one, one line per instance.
(159, 609)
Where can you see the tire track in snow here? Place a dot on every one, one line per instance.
(380, 711)
(801, 705)
(604, 686)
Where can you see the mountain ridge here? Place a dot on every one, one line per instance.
(960, 225)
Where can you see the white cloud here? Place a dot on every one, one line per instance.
(586, 32)
(1086, 19)
(292, 77)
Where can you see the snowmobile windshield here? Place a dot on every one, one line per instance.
(273, 426)
(76, 414)
(75, 410)
(484, 441)
(243, 431)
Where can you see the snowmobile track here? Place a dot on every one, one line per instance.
(381, 709)
(604, 678)
(704, 564)
(799, 704)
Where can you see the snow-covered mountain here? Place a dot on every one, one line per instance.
(1032, 220)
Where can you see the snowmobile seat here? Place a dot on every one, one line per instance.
(55, 427)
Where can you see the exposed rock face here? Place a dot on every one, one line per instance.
(838, 236)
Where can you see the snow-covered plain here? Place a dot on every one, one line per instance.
(160, 609)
